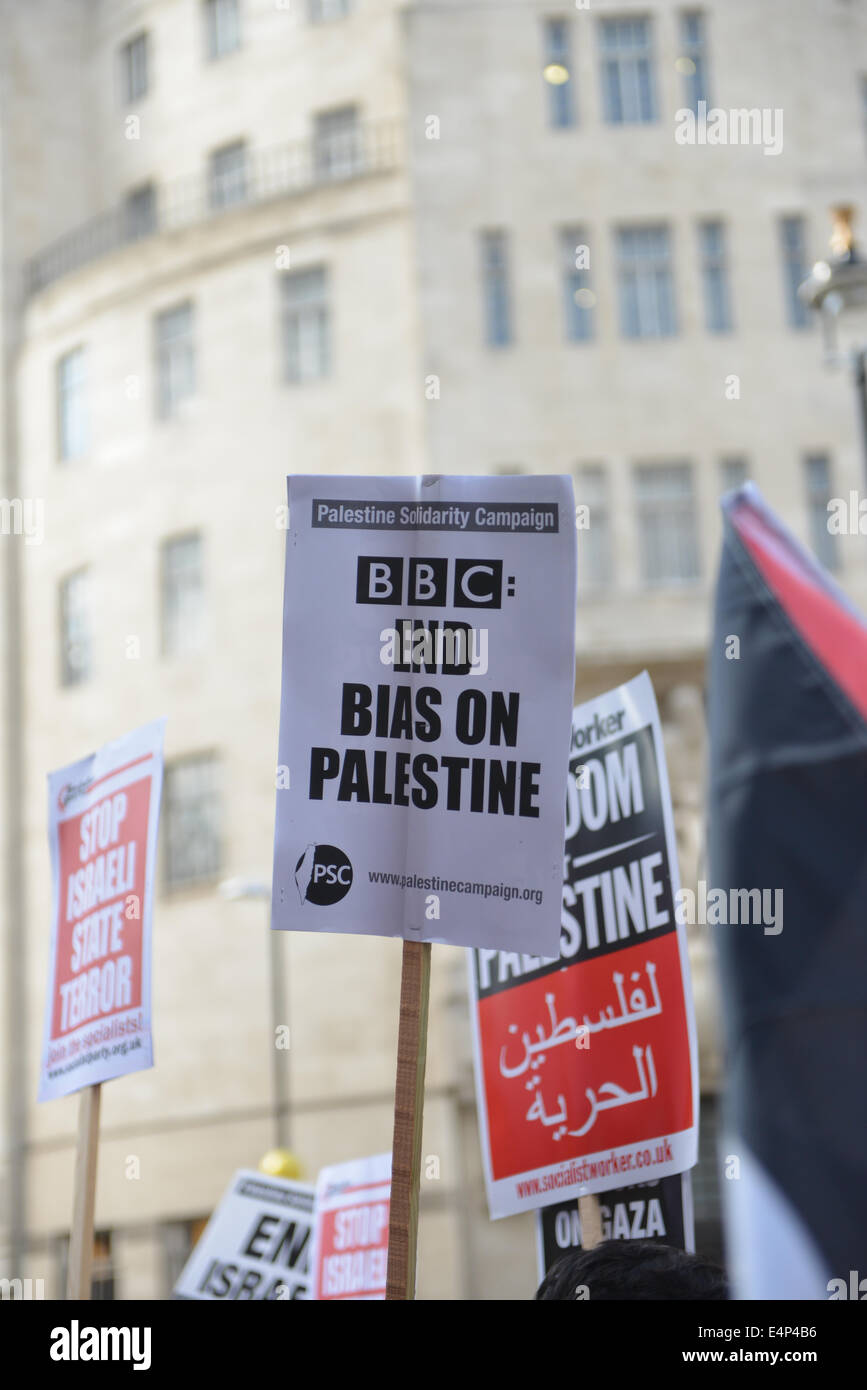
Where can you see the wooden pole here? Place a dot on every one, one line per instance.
(81, 1236)
(408, 1117)
(590, 1217)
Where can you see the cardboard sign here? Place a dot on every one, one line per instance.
(257, 1245)
(658, 1211)
(586, 1065)
(350, 1248)
(103, 814)
(428, 665)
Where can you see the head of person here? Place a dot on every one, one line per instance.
(633, 1270)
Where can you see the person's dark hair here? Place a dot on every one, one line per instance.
(633, 1270)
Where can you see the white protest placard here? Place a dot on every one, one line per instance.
(257, 1244)
(350, 1245)
(103, 814)
(587, 1063)
(428, 676)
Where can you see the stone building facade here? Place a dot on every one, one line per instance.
(245, 239)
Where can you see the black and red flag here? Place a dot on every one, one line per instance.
(788, 816)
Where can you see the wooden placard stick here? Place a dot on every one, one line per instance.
(590, 1216)
(84, 1198)
(408, 1117)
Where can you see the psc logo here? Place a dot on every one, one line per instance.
(323, 875)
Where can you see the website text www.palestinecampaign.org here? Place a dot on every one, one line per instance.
(434, 884)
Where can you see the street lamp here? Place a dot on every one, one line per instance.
(245, 890)
(837, 290)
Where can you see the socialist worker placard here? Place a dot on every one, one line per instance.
(586, 1063)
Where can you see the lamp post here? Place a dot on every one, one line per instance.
(837, 290)
(244, 890)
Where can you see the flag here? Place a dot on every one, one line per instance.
(788, 817)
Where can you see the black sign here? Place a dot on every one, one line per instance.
(659, 1211)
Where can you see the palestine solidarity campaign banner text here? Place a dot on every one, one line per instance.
(103, 813)
(428, 677)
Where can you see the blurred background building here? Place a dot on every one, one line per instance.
(243, 238)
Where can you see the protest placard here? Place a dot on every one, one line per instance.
(586, 1065)
(257, 1244)
(103, 813)
(428, 667)
(350, 1245)
(659, 1211)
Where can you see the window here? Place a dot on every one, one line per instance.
(693, 60)
(817, 469)
(192, 822)
(715, 277)
(102, 1276)
(134, 68)
(222, 28)
(75, 654)
(578, 298)
(182, 595)
(495, 288)
(227, 176)
(179, 1239)
(558, 73)
(793, 242)
(732, 474)
(647, 308)
(594, 540)
(72, 431)
(628, 95)
(306, 324)
(102, 1268)
(140, 212)
(666, 523)
(336, 143)
(175, 365)
(321, 11)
